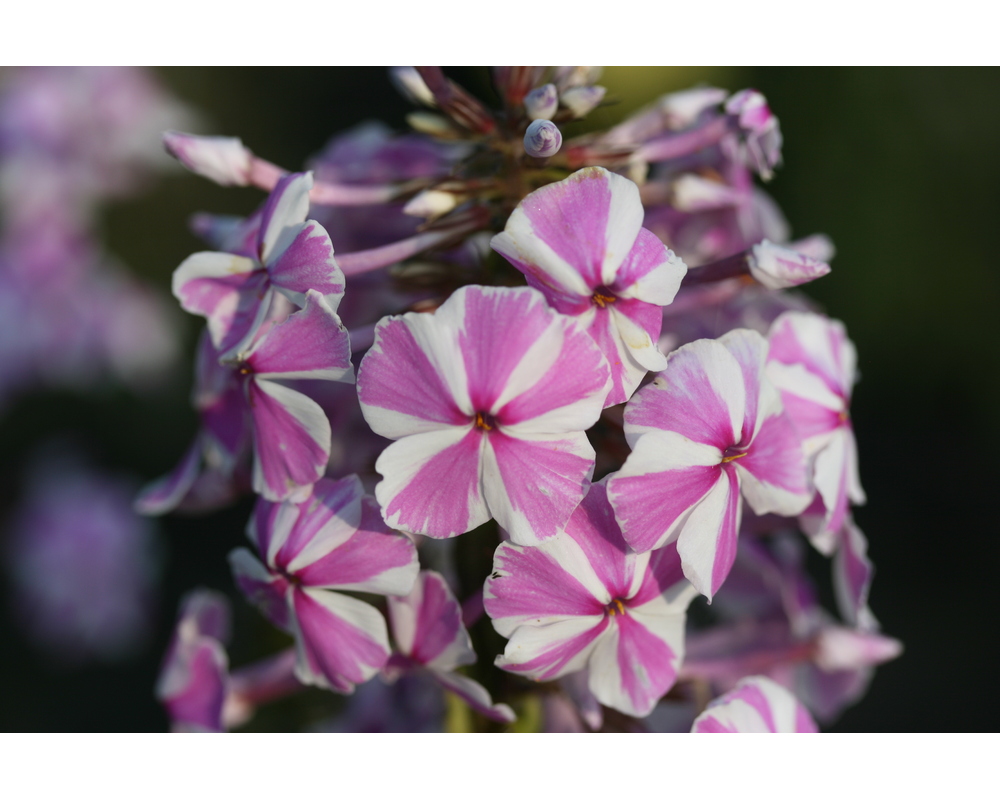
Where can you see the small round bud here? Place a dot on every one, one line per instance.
(541, 103)
(542, 139)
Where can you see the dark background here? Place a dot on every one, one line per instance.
(899, 166)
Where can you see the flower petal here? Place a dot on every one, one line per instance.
(707, 540)
(284, 212)
(427, 625)
(550, 651)
(475, 695)
(307, 263)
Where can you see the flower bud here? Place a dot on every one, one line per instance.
(542, 139)
(780, 268)
(582, 100)
(542, 102)
(409, 84)
(222, 159)
(569, 77)
(431, 203)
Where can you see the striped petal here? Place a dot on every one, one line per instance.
(427, 625)
(756, 705)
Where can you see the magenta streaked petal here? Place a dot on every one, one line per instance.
(163, 494)
(398, 402)
(664, 589)
(229, 291)
(308, 264)
(639, 341)
(852, 577)
(312, 343)
(774, 475)
(226, 425)
(291, 440)
(701, 395)
(553, 650)
(197, 706)
(270, 526)
(374, 559)
(532, 485)
(819, 344)
(663, 479)
(427, 625)
(283, 214)
(431, 482)
(542, 585)
(266, 591)
(626, 373)
(632, 668)
(340, 641)
(707, 540)
(650, 272)
(299, 534)
(749, 349)
(756, 705)
(475, 695)
(592, 526)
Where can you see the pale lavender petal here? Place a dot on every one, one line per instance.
(707, 540)
(427, 625)
(312, 343)
(284, 212)
(778, 267)
(308, 264)
(431, 482)
(340, 641)
(222, 159)
(291, 440)
(475, 695)
(532, 485)
(663, 479)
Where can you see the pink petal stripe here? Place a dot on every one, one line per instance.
(528, 583)
(646, 664)
(819, 344)
(308, 263)
(311, 343)
(265, 590)
(328, 518)
(852, 575)
(648, 255)
(432, 483)
(163, 494)
(663, 573)
(625, 374)
(593, 527)
(338, 640)
(776, 462)
(475, 695)
(226, 421)
(438, 621)
(725, 548)
(284, 211)
(536, 485)
(811, 419)
(556, 657)
(416, 390)
(198, 706)
(291, 439)
(749, 349)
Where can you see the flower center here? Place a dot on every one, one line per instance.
(484, 421)
(602, 296)
(615, 606)
(732, 454)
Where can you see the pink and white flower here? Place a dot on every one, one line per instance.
(488, 399)
(581, 242)
(335, 539)
(756, 705)
(292, 256)
(708, 431)
(585, 600)
(428, 631)
(813, 364)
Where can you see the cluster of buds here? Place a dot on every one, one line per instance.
(571, 400)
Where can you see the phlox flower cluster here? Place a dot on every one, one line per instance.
(490, 381)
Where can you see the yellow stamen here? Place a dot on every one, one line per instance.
(616, 603)
(727, 459)
(482, 423)
(602, 297)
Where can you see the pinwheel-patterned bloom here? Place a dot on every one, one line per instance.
(709, 429)
(427, 628)
(813, 364)
(333, 540)
(293, 255)
(581, 242)
(585, 599)
(756, 705)
(489, 398)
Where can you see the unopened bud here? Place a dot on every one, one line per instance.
(222, 159)
(409, 84)
(582, 100)
(840, 648)
(431, 204)
(693, 193)
(541, 103)
(778, 267)
(542, 139)
(568, 77)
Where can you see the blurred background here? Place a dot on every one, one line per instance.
(900, 167)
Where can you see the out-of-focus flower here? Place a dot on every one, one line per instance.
(335, 539)
(581, 243)
(706, 432)
(489, 398)
(542, 103)
(84, 568)
(427, 628)
(585, 599)
(581, 100)
(756, 705)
